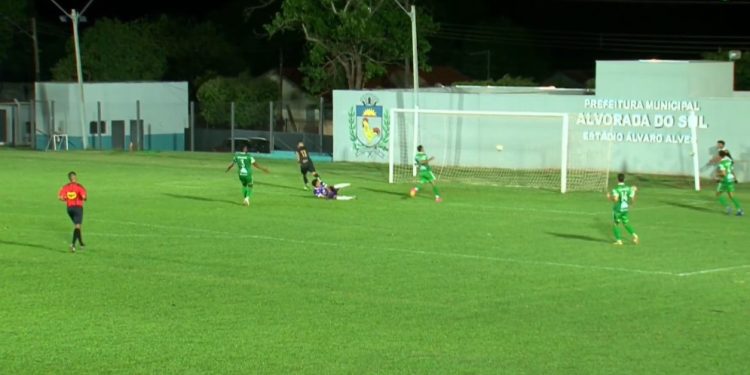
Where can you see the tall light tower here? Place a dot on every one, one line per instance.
(76, 17)
(415, 73)
(412, 13)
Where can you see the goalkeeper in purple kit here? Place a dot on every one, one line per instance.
(325, 191)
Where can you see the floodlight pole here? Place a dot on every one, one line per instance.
(75, 17)
(415, 74)
(414, 58)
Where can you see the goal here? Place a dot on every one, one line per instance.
(515, 149)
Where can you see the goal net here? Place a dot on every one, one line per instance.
(514, 149)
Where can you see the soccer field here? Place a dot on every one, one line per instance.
(179, 277)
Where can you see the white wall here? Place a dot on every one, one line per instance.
(163, 105)
(721, 118)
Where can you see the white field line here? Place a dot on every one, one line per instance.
(221, 234)
(703, 272)
(526, 209)
(606, 211)
(534, 262)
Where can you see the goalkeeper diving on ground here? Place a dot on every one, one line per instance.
(325, 191)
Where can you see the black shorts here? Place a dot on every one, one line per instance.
(307, 168)
(76, 214)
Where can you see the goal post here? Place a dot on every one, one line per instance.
(504, 148)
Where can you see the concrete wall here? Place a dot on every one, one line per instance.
(647, 127)
(163, 111)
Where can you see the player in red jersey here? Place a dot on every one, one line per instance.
(73, 194)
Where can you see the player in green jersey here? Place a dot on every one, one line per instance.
(725, 177)
(244, 161)
(623, 196)
(425, 173)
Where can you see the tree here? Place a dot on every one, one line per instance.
(194, 48)
(741, 67)
(351, 41)
(13, 15)
(250, 95)
(115, 51)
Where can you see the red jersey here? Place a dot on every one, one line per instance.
(73, 194)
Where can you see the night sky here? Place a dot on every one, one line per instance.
(523, 37)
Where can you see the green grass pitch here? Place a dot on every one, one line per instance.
(178, 277)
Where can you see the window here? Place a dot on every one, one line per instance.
(93, 130)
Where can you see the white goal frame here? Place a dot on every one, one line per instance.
(565, 127)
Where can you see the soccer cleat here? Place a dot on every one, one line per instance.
(729, 210)
(636, 240)
(618, 242)
(438, 199)
(740, 212)
(305, 187)
(413, 193)
(72, 248)
(246, 202)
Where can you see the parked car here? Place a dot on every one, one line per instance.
(254, 145)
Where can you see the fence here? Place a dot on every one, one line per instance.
(16, 123)
(148, 125)
(110, 125)
(263, 126)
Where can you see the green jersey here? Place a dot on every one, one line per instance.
(623, 195)
(421, 161)
(727, 165)
(244, 161)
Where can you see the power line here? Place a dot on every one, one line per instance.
(666, 2)
(560, 39)
(573, 33)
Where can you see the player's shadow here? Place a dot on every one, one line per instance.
(32, 245)
(672, 182)
(278, 186)
(380, 191)
(581, 237)
(199, 199)
(688, 206)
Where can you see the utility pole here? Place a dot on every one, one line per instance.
(35, 40)
(488, 53)
(76, 17)
(33, 37)
(412, 13)
(280, 116)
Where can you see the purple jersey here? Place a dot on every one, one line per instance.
(324, 191)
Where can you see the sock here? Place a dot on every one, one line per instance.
(736, 203)
(723, 201)
(435, 190)
(630, 229)
(75, 236)
(304, 178)
(249, 192)
(616, 230)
